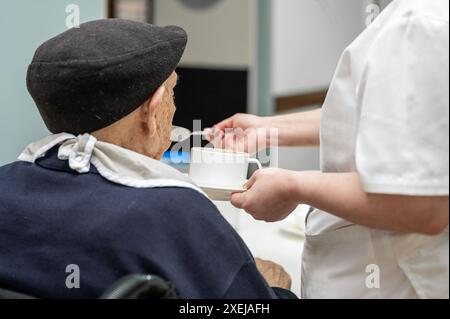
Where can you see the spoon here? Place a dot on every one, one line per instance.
(180, 134)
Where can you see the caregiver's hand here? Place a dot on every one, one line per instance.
(274, 193)
(250, 133)
(242, 133)
(271, 195)
(243, 121)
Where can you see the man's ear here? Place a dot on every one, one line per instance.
(150, 109)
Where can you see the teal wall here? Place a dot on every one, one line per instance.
(265, 99)
(24, 25)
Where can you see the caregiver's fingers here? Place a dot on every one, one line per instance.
(227, 123)
(243, 200)
(238, 200)
(248, 202)
(252, 180)
(216, 138)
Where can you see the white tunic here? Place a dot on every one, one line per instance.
(386, 117)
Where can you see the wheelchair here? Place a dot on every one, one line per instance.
(134, 286)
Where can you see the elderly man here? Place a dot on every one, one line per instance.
(94, 194)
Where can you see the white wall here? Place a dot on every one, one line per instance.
(223, 36)
(24, 25)
(308, 39)
(385, 3)
(218, 36)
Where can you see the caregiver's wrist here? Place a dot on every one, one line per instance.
(267, 122)
(268, 131)
(301, 132)
(303, 184)
(276, 131)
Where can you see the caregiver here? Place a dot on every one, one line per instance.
(381, 198)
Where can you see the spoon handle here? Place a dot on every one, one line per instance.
(204, 132)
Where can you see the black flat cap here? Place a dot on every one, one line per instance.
(86, 79)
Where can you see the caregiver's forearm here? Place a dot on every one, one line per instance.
(299, 129)
(343, 195)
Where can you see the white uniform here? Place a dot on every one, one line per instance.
(387, 117)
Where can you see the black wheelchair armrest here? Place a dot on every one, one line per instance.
(140, 287)
(8, 294)
(129, 287)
